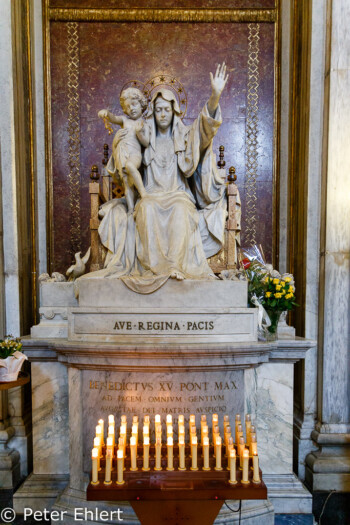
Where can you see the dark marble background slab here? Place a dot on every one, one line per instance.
(112, 54)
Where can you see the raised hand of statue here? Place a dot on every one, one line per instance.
(103, 113)
(218, 82)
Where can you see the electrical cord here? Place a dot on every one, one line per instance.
(324, 505)
(238, 510)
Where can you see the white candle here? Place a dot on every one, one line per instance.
(248, 426)
(145, 430)
(110, 446)
(135, 420)
(216, 431)
(146, 424)
(182, 453)
(239, 433)
(192, 420)
(206, 453)
(97, 444)
(102, 425)
(121, 446)
(157, 423)
(227, 434)
(194, 453)
(245, 466)
(215, 420)
(229, 448)
(111, 421)
(180, 423)
(169, 431)
(204, 433)
(159, 436)
(123, 420)
(256, 474)
(158, 465)
(170, 453)
(240, 450)
(108, 471)
(253, 445)
(111, 433)
(232, 459)
(237, 422)
(94, 458)
(145, 453)
(226, 421)
(135, 432)
(133, 453)
(203, 421)
(99, 432)
(218, 453)
(122, 430)
(120, 466)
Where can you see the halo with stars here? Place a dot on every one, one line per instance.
(171, 83)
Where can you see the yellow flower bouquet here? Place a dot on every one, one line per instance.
(268, 288)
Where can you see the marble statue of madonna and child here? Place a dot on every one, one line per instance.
(173, 218)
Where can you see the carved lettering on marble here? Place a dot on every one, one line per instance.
(117, 393)
(166, 326)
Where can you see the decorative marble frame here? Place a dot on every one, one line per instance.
(69, 13)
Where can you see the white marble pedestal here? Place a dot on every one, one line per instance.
(62, 370)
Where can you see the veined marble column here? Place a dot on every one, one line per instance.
(329, 467)
(9, 458)
(305, 409)
(15, 197)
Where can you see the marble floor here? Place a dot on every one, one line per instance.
(280, 519)
(336, 512)
(294, 519)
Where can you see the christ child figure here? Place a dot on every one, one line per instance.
(127, 155)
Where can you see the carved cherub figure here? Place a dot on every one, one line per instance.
(126, 157)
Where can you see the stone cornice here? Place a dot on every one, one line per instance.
(161, 357)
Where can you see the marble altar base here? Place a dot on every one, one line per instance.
(61, 373)
(179, 312)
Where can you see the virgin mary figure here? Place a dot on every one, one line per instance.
(180, 221)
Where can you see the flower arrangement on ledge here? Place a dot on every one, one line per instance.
(9, 346)
(11, 358)
(268, 290)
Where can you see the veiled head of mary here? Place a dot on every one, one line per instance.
(164, 106)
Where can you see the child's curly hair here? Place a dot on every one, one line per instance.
(133, 93)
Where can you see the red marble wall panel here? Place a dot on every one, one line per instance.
(112, 54)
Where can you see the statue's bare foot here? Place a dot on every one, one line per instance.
(177, 275)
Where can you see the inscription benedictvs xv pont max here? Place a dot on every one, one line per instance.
(197, 392)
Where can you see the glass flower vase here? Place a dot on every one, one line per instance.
(271, 332)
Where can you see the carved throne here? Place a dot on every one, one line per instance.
(225, 259)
